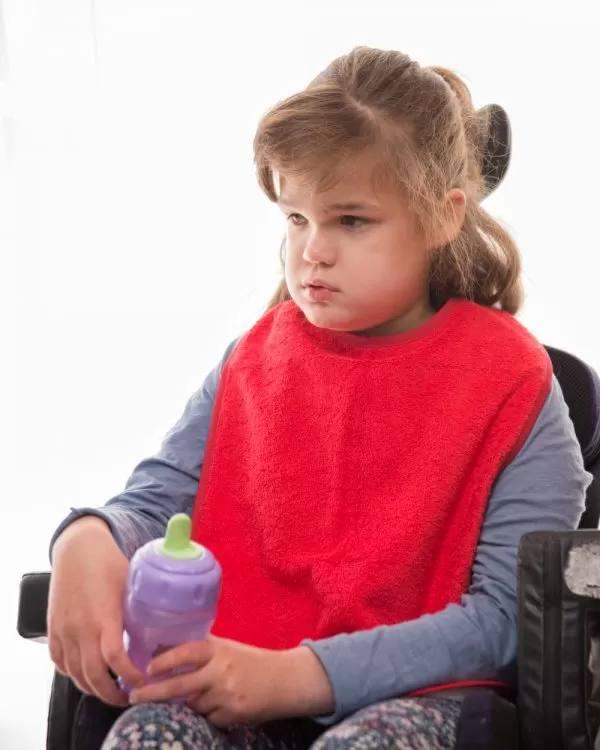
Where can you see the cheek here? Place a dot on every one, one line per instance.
(396, 266)
(291, 265)
(293, 251)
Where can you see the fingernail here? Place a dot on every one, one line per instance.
(133, 696)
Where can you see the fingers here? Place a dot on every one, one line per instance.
(66, 657)
(204, 703)
(56, 653)
(196, 654)
(96, 675)
(222, 719)
(73, 668)
(114, 654)
(87, 666)
(172, 687)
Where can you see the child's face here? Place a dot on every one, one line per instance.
(362, 244)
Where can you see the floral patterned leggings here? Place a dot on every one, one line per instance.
(402, 724)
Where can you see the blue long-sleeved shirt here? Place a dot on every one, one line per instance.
(543, 488)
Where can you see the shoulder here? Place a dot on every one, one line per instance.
(502, 329)
(503, 342)
(274, 327)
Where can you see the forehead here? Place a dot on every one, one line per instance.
(343, 186)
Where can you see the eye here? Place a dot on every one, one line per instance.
(296, 219)
(353, 222)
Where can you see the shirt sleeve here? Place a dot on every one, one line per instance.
(542, 489)
(164, 484)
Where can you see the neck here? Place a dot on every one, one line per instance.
(408, 320)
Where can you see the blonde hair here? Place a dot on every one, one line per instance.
(427, 138)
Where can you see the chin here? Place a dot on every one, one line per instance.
(325, 316)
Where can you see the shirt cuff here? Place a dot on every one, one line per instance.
(77, 513)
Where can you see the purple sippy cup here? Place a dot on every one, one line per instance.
(171, 596)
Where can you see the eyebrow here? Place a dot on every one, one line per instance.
(340, 206)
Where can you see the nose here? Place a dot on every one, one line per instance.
(318, 249)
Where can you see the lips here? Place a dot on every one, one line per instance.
(319, 292)
(319, 284)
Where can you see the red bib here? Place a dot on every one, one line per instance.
(346, 478)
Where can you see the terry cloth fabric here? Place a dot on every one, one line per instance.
(346, 478)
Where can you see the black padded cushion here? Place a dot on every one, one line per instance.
(581, 388)
(580, 385)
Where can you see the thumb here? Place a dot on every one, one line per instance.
(117, 659)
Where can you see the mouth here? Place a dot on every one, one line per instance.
(318, 284)
(319, 292)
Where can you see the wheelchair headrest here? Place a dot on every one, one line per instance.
(497, 150)
(580, 385)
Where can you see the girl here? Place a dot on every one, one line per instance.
(363, 462)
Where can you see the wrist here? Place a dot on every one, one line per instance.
(308, 690)
(82, 525)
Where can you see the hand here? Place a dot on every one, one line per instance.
(232, 683)
(85, 610)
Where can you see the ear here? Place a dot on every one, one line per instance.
(453, 216)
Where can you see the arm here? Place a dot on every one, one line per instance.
(543, 488)
(164, 484)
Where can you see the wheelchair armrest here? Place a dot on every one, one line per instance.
(33, 605)
(559, 639)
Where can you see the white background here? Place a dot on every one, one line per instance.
(135, 244)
